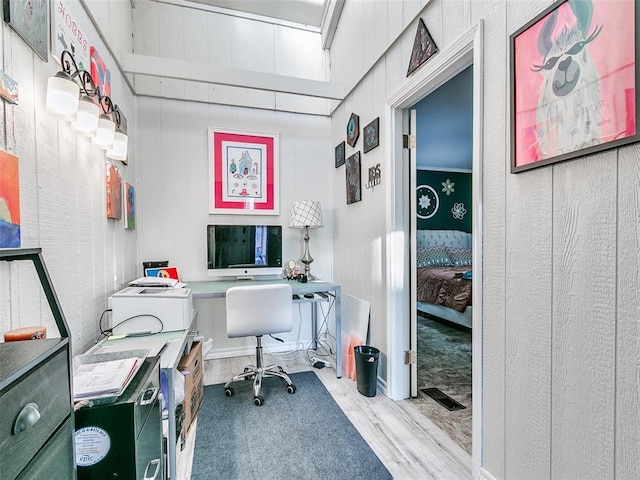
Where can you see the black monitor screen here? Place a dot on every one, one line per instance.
(238, 246)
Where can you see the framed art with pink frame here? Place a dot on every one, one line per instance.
(243, 172)
(574, 82)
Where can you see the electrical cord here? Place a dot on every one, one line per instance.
(141, 334)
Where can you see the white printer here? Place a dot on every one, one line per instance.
(145, 310)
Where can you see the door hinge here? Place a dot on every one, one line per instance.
(410, 357)
(408, 141)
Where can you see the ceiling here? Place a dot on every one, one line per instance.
(307, 12)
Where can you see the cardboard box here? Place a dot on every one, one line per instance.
(191, 367)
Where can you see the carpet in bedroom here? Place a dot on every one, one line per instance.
(444, 362)
(301, 436)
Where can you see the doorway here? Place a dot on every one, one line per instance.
(441, 230)
(400, 248)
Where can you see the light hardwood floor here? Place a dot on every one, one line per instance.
(408, 444)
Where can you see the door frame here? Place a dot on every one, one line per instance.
(467, 50)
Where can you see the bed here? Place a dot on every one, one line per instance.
(443, 275)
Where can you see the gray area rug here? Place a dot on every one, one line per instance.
(303, 435)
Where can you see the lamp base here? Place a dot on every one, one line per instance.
(307, 258)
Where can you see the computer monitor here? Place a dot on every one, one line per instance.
(244, 251)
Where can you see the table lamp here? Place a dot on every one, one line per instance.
(306, 214)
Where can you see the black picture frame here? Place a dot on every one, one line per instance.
(423, 48)
(371, 135)
(339, 154)
(554, 119)
(353, 178)
(31, 24)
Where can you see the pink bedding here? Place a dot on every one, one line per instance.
(444, 286)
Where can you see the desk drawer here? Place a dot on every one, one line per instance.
(48, 387)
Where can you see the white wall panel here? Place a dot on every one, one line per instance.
(173, 153)
(62, 192)
(627, 393)
(584, 318)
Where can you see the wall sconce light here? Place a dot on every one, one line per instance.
(106, 131)
(118, 151)
(63, 95)
(72, 95)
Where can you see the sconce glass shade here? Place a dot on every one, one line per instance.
(119, 149)
(105, 133)
(63, 95)
(86, 121)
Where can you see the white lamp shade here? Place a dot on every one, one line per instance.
(62, 97)
(119, 149)
(105, 133)
(86, 121)
(305, 213)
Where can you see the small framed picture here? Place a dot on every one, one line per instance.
(340, 154)
(371, 135)
(353, 129)
(30, 20)
(352, 171)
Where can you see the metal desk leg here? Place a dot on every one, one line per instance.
(338, 310)
(314, 325)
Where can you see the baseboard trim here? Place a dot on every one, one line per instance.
(484, 475)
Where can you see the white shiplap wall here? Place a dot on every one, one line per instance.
(62, 197)
(561, 381)
(172, 148)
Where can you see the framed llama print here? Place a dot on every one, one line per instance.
(243, 172)
(574, 82)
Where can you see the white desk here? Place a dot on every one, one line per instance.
(176, 342)
(321, 289)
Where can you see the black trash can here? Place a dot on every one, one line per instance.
(367, 369)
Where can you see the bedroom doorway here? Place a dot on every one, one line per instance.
(441, 230)
(400, 247)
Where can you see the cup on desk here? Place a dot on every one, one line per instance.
(302, 278)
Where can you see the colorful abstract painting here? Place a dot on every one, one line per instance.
(129, 206)
(114, 192)
(9, 201)
(100, 73)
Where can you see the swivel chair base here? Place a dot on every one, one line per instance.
(258, 372)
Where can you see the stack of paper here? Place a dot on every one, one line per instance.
(103, 379)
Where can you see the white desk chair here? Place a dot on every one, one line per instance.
(258, 310)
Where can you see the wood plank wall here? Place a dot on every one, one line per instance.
(62, 197)
(561, 387)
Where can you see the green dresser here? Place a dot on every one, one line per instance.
(36, 414)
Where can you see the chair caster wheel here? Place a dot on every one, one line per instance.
(291, 388)
(258, 401)
(228, 392)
